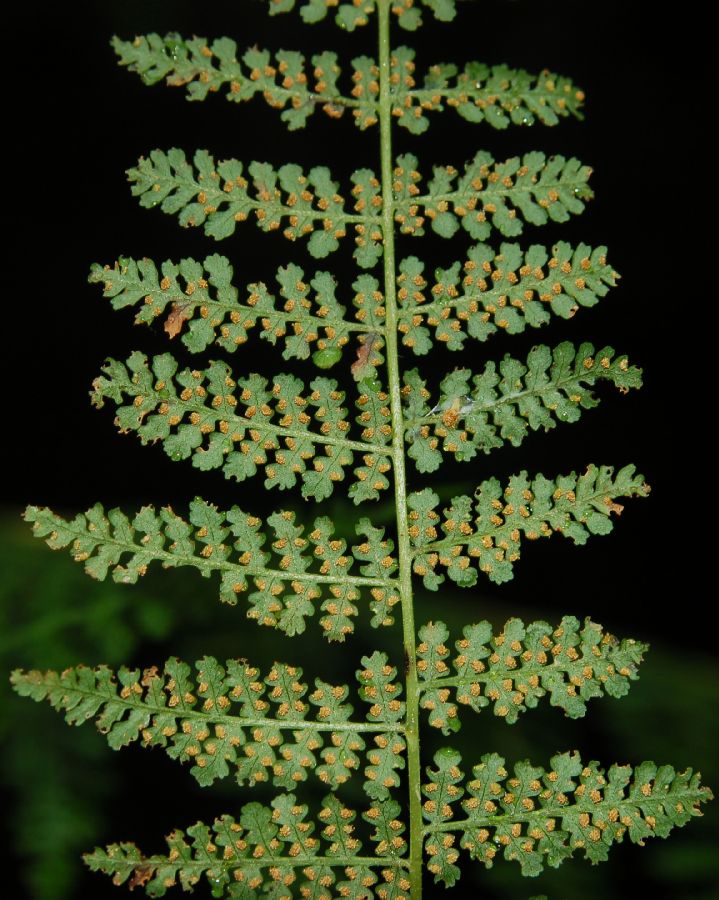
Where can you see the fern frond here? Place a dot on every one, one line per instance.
(284, 584)
(242, 425)
(497, 95)
(490, 195)
(284, 82)
(480, 412)
(273, 726)
(306, 314)
(351, 15)
(487, 195)
(231, 718)
(273, 850)
(489, 527)
(539, 817)
(514, 669)
(510, 290)
(219, 196)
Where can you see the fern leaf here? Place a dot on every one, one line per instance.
(284, 584)
(388, 829)
(306, 314)
(490, 527)
(273, 850)
(231, 718)
(490, 195)
(240, 426)
(285, 82)
(273, 726)
(510, 290)
(379, 688)
(351, 15)
(219, 196)
(514, 669)
(497, 95)
(553, 385)
(539, 817)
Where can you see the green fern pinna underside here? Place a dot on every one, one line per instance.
(397, 423)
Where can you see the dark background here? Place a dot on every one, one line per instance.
(76, 122)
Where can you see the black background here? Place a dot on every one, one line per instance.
(75, 122)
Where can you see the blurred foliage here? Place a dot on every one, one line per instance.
(52, 615)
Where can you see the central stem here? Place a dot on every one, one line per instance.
(399, 456)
